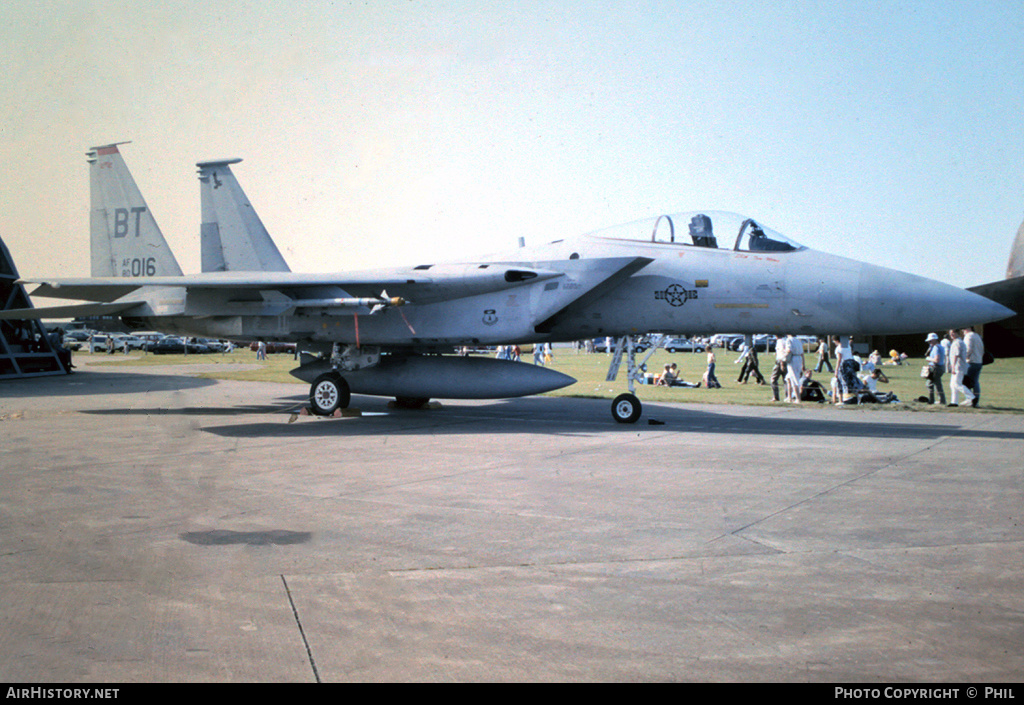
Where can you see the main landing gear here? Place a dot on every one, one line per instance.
(328, 393)
(627, 407)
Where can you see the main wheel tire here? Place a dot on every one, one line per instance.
(328, 393)
(626, 408)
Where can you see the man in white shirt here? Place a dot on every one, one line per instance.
(794, 368)
(975, 357)
(957, 365)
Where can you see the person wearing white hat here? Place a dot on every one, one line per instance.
(936, 358)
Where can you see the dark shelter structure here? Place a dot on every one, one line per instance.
(25, 348)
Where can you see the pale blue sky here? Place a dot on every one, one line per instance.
(388, 133)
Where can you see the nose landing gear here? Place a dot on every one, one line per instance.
(627, 407)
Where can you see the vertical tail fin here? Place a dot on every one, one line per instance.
(125, 239)
(233, 237)
(1015, 266)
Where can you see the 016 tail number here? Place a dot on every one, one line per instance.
(138, 267)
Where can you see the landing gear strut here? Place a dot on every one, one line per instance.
(627, 407)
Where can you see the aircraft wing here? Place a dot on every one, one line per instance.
(421, 285)
(94, 309)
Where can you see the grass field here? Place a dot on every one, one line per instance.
(1002, 382)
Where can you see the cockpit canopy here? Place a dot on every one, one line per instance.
(714, 229)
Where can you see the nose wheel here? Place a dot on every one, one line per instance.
(626, 408)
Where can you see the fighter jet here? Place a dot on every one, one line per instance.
(384, 332)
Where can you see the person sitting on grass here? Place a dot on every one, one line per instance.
(670, 378)
(867, 392)
(811, 389)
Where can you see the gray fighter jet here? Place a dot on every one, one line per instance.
(383, 332)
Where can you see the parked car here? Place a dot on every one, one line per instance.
(149, 338)
(211, 344)
(601, 344)
(99, 342)
(674, 345)
(151, 343)
(275, 347)
(764, 343)
(729, 341)
(134, 342)
(642, 343)
(168, 345)
(172, 345)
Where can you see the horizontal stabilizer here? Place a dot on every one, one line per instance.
(106, 290)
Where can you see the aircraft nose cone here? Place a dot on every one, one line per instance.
(994, 311)
(893, 302)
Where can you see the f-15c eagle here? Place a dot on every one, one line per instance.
(383, 332)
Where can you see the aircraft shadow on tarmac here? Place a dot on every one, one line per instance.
(190, 410)
(87, 383)
(576, 417)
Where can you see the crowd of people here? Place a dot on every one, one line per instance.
(961, 354)
(853, 379)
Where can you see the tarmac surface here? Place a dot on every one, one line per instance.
(159, 527)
